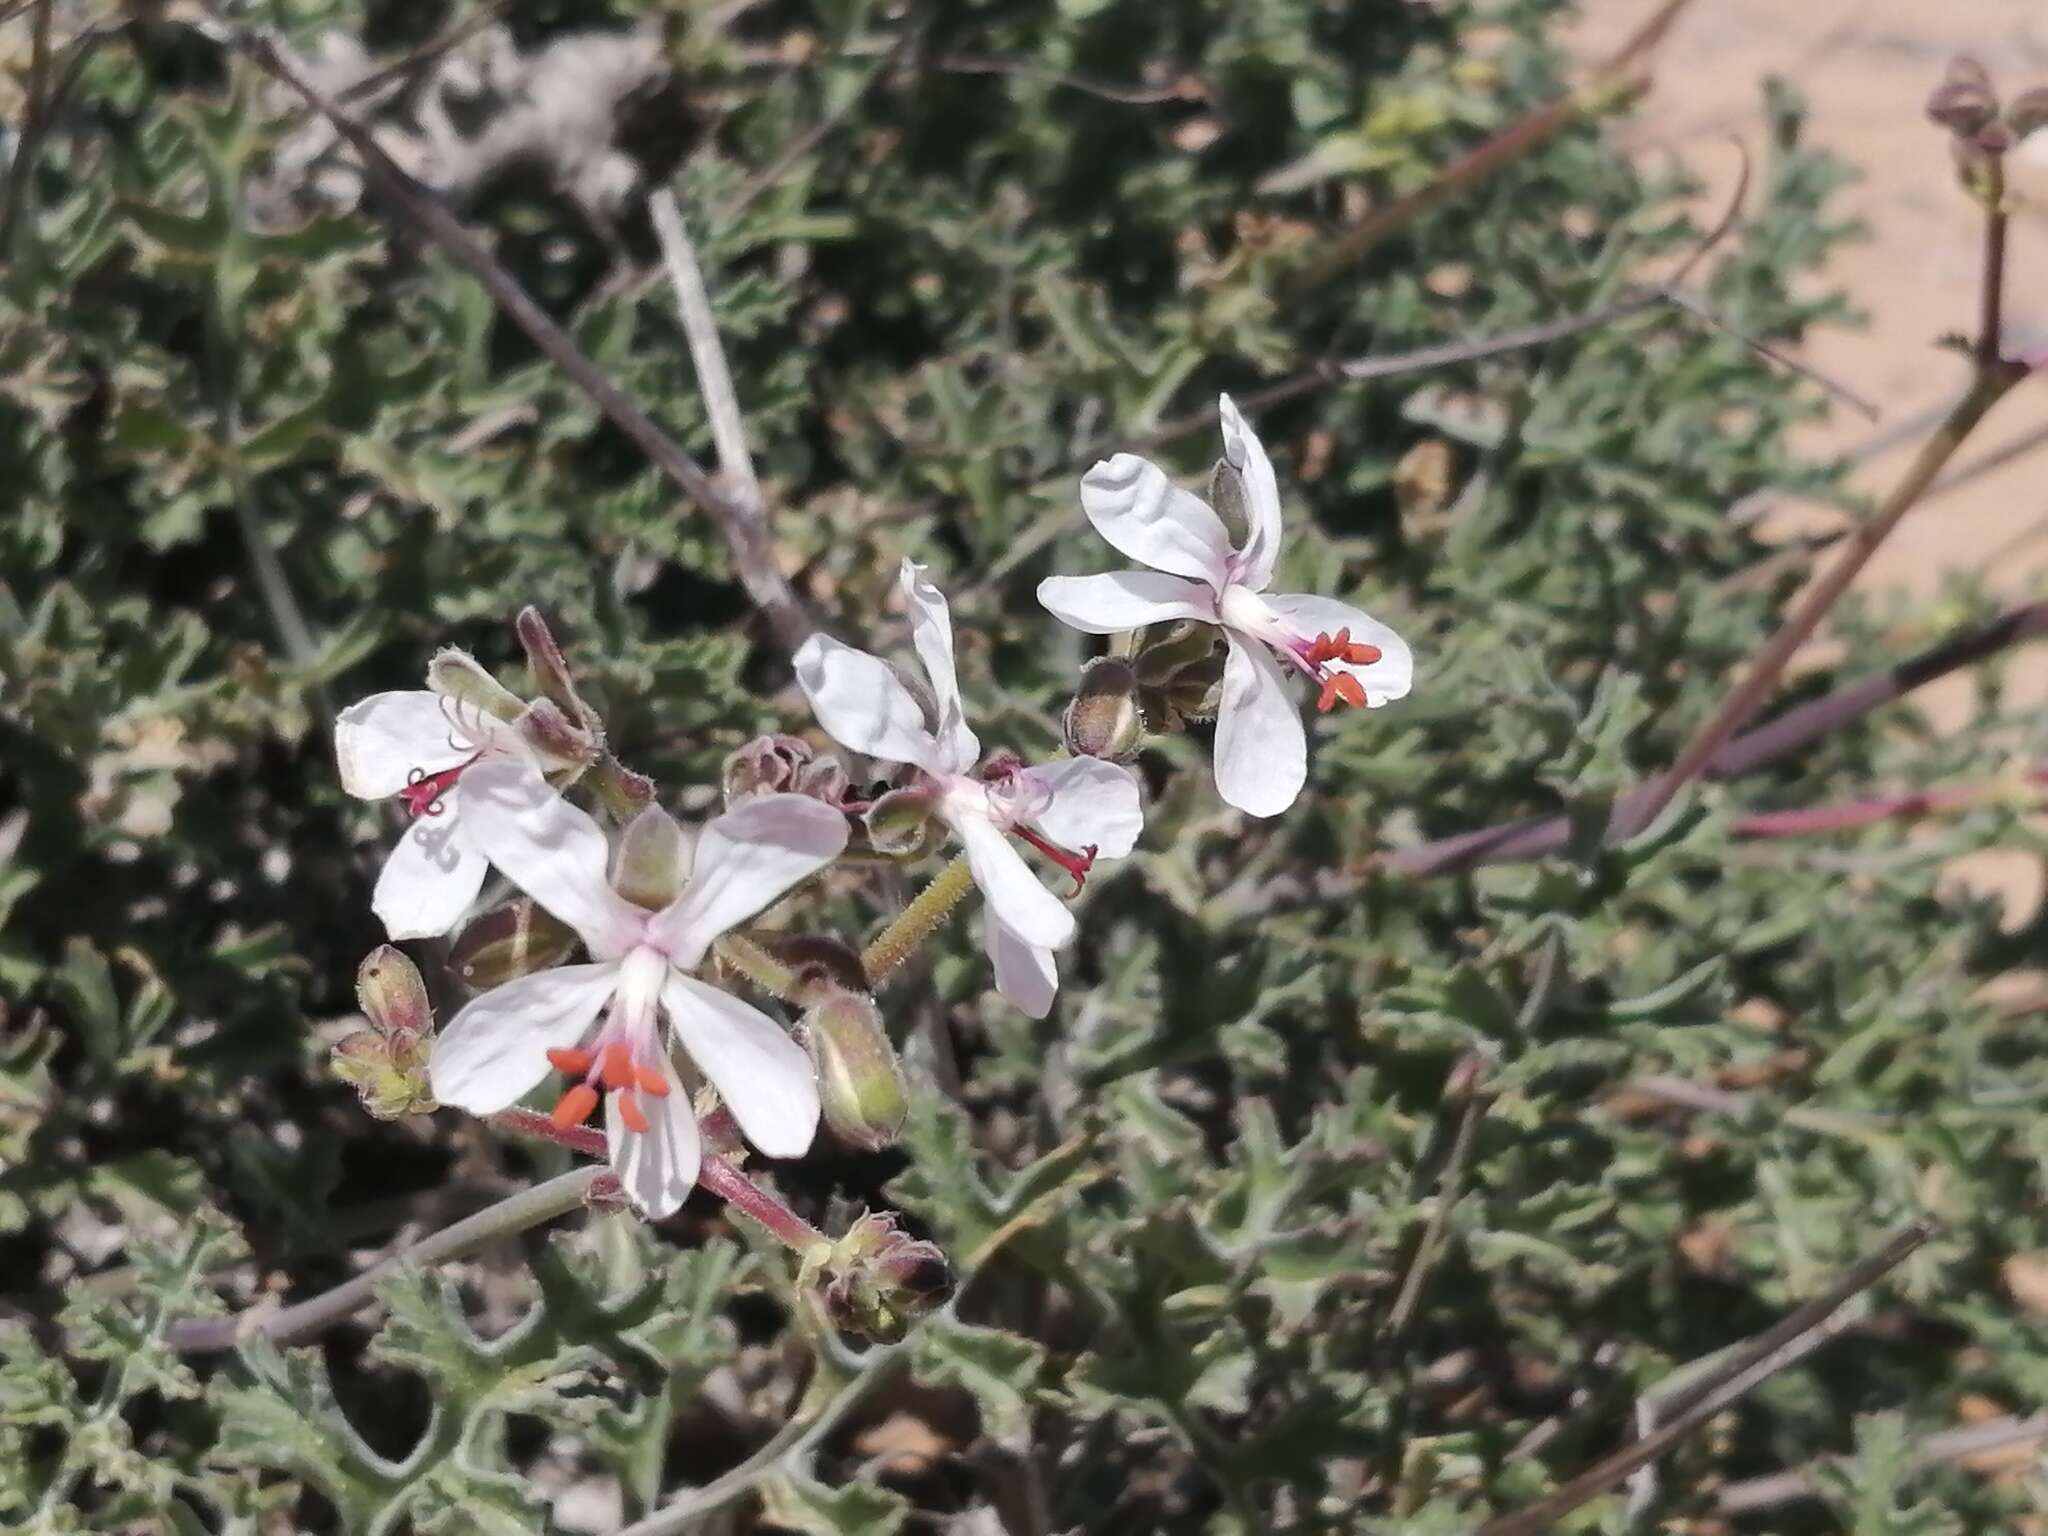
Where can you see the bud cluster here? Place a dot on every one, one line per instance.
(387, 1063)
(877, 1280)
(1983, 131)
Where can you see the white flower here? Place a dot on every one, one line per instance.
(1073, 811)
(416, 746)
(1261, 749)
(499, 1047)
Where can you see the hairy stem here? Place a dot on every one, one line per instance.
(901, 938)
(750, 960)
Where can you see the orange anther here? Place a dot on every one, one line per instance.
(574, 1106)
(629, 1111)
(568, 1061)
(1361, 654)
(651, 1081)
(617, 1070)
(1349, 689)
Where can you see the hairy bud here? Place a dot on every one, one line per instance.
(1964, 102)
(1104, 718)
(901, 823)
(563, 745)
(460, 676)
(859, 1078)
(386, 1064)
(653, 859)
(881, 1279)
(1170, 650)
(1226, 495)
(772, 765)
(508, 942)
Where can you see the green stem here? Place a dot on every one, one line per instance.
(757, 965)
(901, 938)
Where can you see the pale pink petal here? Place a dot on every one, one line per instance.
(1384, 680)
(1121, 600)
(745, 860)
(550, 849)
(931, 631)
(381, 742)
(657, 1167)
(432, 876)
(1025, 974)
(859, 701)
(1009, 886)
(1247, 455)
(764, 1077)
(1093, 802)
(1261, 749)
(1145, 515)
(494, 1052)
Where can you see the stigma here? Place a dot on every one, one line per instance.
(1075, 864)
(423, 791)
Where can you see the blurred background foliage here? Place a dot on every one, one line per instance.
(262, 452)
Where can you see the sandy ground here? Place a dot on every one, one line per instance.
(1865, 67)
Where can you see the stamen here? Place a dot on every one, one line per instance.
(574, 1107)
(651, 1081)
(423, 791)
(1075, 864)
(568, 1061)
(629, 1111)
(617, 1069)
(1340, 686)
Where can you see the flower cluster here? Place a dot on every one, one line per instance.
(643, 1025)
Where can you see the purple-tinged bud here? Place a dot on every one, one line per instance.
(824, 778)
(880, 1279)
(550, 667)
(508, 942)
(653, 859)
(459, 676)
(1104, 718)
(386, 1064)
(860, 1080)
(563, 745)
(2027, 112)
(1964, 102)
(902, 823)
(774, 765)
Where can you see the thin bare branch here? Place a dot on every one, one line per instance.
(1091, 85)
(707, 353)
(1959, 1444)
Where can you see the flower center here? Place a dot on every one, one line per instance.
(625, 1059)
(423, 791)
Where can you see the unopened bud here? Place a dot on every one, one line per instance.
(1964, 102)
(392, 994)
(563, 745)
(1103, 718)
(882, 1279)
(508, 942)
(772, 765)
(1169, 651)
(2027, 112)
(824, 778)
(550, 667)
(387, 1063)
(460, 676)
(653, 859)
(821, 962)
(860, 1080)
(901, 824)
(1226, 495)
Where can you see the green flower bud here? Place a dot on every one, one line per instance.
(1104, 718)
(387, 1063)
(1169, 650)
(508, 942)
(880, 1279)
(653, 859)
(392, 994)
(901, 823)
(1226, 495)
(460, 676)
(860, 1080)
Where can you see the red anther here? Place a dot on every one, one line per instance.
(1361, 654)
(617, 1071)
(423, 791)
(1075, 864)
(569, 1061)
(651, 1081)
(629, 1111)
(1340, 687)
(574, 1107)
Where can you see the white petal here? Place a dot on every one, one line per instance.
(432, 876)
(1120, 600)
(1025, 974)
(494, 1052)
(1011, 889)
(764, 1077)
(1384, 680)
(1261, 749)
(1247, 455)
(550, 849)
(657, 1167)
(1093, 802)
(379, 742)
(861, 704)
(1145, 515)
(931, 631)
(745, 860)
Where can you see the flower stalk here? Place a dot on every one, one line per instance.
(932, 906)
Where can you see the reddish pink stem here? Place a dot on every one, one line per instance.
(1809, 820)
